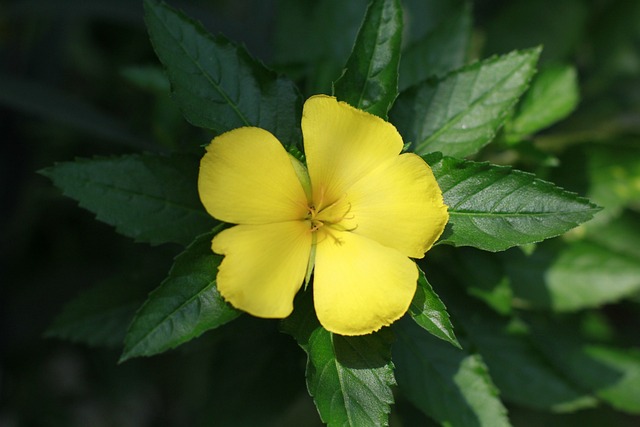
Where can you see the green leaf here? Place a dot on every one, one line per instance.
(428, 311)
(216, 83)
(484, 277)
(553, 95)
(574, 276)
(313, 40)
(349, 378)
(450, 385)
(611, 373)
(517, 368)
(100, 316)
(442, 50)
(461, 112)
(370, 79)
(186, 304)
(495, 207)
(151, 198)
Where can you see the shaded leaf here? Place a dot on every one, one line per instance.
(496, 207)
(370, 79)
(442, 50)
(461, 112)
(313, 40)
(349, 378)
(518, 23)
(428, 311)
(569, 277)
(553, 95)
(448, 384)
(151, 198)
(611, 373)
(517, 368)
(186, 304)
(100, 315)
(483, 276)
(217, 84)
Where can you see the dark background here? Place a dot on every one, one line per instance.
(64, 93)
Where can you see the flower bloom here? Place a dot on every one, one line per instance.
(355, 215)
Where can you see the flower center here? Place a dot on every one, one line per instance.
(329, 218)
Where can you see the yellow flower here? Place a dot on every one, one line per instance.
(355, 215)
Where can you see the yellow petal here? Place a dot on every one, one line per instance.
(359, 285)
(264, 266)
(399, 205)
(342, 144)
(246, 177)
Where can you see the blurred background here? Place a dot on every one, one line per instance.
(78, 78)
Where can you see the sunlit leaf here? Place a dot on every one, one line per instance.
(461, 112)
(349, 378)
(428, 311)
(496, 207)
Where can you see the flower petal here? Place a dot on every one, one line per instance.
(359, 285)
(342, 144)
(399, 205)
(246, 177)
(264, 266)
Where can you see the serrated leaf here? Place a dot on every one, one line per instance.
(461, 112)
(553, 95)
(428, 311)
(495, 207)
(370, 79)
(569, 277)
(611, 373)
(349, 378)
(186, 304)
(100, 315)
(216, 83)
(442, 50)
(450, 385)
(151, 198)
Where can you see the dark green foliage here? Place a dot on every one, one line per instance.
(151, 198)
(545, 329)
(185, 305)
(370, 79)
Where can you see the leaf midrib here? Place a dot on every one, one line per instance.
(139, 194)
(456, 119)
(170, 314)
(490, 214)
(204, 72)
